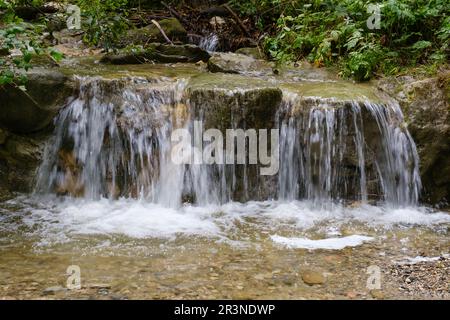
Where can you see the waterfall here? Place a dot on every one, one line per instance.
(321, 145)
(209, 42)
(114, 140)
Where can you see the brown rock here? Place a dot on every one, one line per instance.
(312, 277)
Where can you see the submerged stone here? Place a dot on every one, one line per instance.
(312, 277)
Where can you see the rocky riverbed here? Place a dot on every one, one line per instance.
(241, 261)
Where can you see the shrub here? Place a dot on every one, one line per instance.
(335, 31)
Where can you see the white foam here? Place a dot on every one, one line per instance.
(419, 259)
(330, 243)
(142, 219)
(132, 218)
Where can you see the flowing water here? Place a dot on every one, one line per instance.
(108, 188)
(209, 42)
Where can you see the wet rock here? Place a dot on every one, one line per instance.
(56, 22)
(425, 104)
(312, 277)
(225, 101)
(19, 158)
(217, 22)
(238, 63)
(70, 184)
(253, 52)
(143, 36)
(25, 115)
(221, 97)
(34, 109)
(65, 36)
(157, 52)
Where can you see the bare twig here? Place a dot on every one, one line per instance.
(174, 12)
(162, 31)
(238, 20)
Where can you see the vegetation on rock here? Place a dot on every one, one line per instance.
(411, 32)
(19, 42)
(336, 33)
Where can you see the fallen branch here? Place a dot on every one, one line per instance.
(238, 20)
(162, 31)
(174, 13)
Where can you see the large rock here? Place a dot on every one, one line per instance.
(23, 116)
(226, 100)
(425, 104)
(253, 52)
(156, 52)
(238, 63)
(34, 109)
(143, 36)
(20, 155)
(234, 102)
(66, 36)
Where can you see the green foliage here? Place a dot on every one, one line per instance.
(335, 31)
(35, 3)
(19, 42)
(104, 21)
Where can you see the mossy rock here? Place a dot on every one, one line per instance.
(156, 52)
(225, 101)
(20, 156)
(34, 109)
(148, 34)
(250, 107)
(253, 52)
(238, 63)
(426, 106)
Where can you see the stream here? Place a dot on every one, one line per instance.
(109, 198)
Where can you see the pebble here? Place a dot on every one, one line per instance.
(377, 294)
(259, 276)
(312, 277)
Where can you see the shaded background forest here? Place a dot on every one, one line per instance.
(413, 36)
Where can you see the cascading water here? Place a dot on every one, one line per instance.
(114, 140)
(320, 148)
(209, 42)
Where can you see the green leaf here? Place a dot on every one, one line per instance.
(421, 45)
(55, 54)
